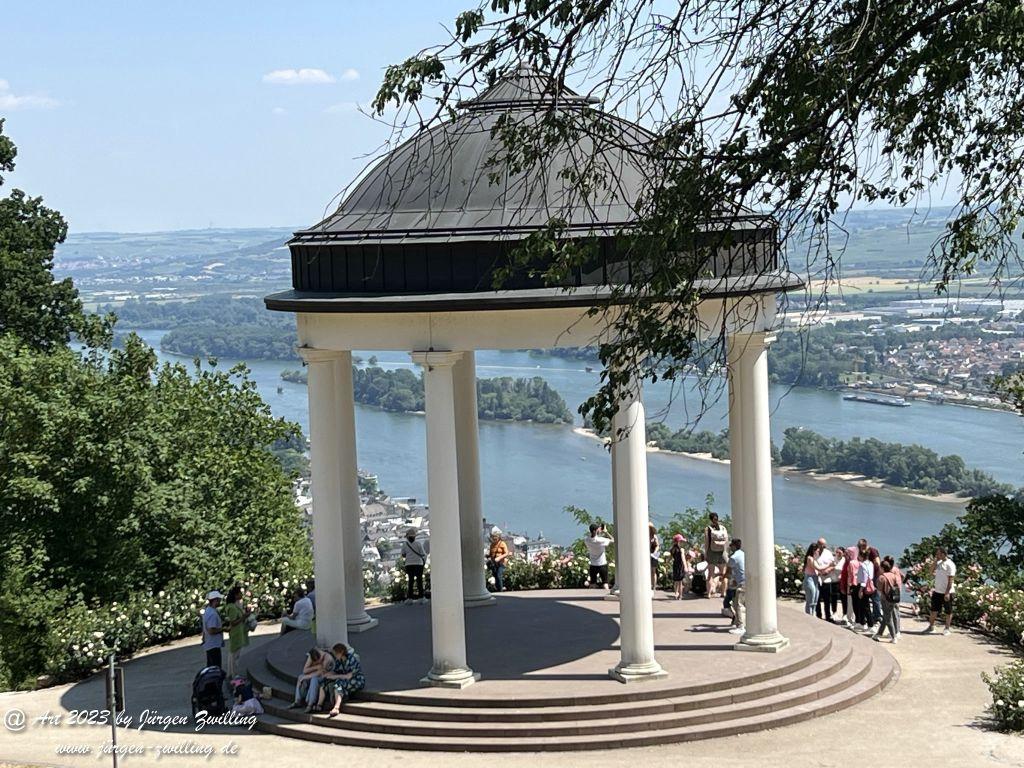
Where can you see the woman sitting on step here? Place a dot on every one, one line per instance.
(347, 676)
(307, 687)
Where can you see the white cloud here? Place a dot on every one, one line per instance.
(306, 75)
(350, 74)
(12, 101)
(279, 111)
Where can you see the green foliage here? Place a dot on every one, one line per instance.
(43, 312)
(990, 534)
(904, 466)
(789, 571)
(119, 478)
(126, 489)
(1010, 388)
(1007, 688)
(251, 341)
(691, 523)
(214, 310)
(807, 111)
(502, 398)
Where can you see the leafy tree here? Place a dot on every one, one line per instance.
(1011, 389)
(907, 466)
(119, 478)
(990, 533)
(44, 312)
(797, 109)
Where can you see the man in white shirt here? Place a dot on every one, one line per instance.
(213, 630)
(301, 616)
(597, 545)
(829, 588)
(942, 591)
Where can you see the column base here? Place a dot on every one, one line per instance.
(363, 623)
(479, 601)
(638, 673)
(772, 642)
(455, 678)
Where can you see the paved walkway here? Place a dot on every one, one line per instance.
(937, 703)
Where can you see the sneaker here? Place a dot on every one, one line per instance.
(898, 636)
(895, 640)
(945, 632)
(737, 631)
(876, 638)
(859, 627)
(929, 629)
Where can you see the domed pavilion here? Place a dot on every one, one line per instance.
(407, 262)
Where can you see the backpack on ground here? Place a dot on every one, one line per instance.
(208, 692)
(698, 583)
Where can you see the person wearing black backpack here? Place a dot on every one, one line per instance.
(415, 560)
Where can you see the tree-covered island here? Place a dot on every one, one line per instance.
(499, 399)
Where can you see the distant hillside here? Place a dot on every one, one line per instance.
(112, 266)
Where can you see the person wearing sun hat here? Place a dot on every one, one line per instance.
(679, 564)
(213, 629)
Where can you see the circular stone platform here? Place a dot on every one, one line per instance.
(544, 657)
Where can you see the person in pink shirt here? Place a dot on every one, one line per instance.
(890, 584)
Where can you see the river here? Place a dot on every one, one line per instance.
(530, 472)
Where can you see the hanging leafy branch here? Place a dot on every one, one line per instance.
(792, 110)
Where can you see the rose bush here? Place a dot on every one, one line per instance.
(978, 602)
(82, 635)
(1007, 688)
(789, 577)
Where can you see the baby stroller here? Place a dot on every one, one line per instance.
(208, 692)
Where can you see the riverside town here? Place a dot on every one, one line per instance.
(582, 381)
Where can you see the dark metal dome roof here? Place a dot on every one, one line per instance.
(440, 213)
(444, 182)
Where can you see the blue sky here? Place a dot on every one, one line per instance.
(145, 116)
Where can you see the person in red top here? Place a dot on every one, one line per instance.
(890, 584)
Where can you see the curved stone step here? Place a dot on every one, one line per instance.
(880, 671)
(665, 716)
(812, 675)
(276, 659)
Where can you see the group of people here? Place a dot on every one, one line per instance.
(234, 619)
(852, 586)
(230, 617)
(414, 555)
(329, 676)
(866, 588)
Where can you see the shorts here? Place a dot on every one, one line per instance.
(599, 574)
(715, 558)
(939, 604)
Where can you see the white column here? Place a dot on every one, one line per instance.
(471, 521)
(447, 613)
(633, 569)
(348, 468)
(737, 427)
(759, 527)
(326, 490)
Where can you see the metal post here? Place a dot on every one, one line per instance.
(112, 706)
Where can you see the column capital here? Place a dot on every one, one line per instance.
(436, 358)
(746, 338)
(314, 355)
